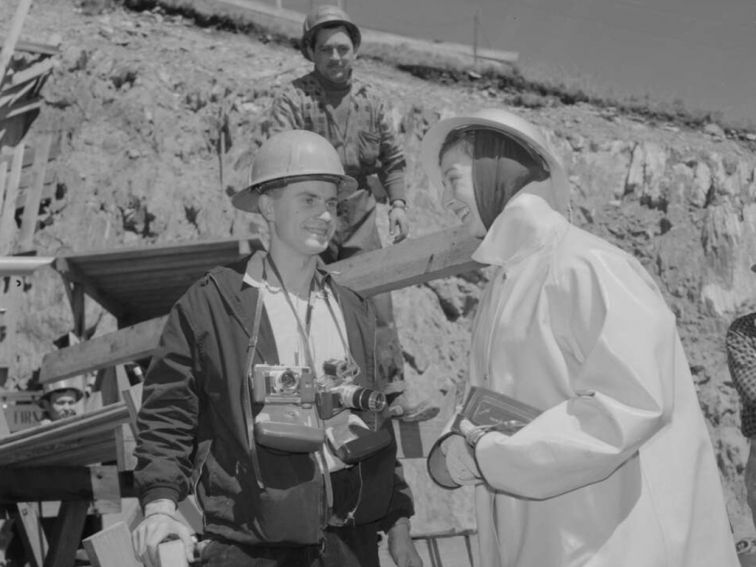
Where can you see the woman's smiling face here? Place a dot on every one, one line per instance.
(459, 195)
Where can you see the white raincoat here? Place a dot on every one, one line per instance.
(619, 469)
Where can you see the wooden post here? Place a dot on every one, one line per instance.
(13, 34)
(111, 547)
(67, 534)
(34, 193)
(32, 536)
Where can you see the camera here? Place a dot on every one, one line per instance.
(339, 393)
(287, 419)
(349, 438)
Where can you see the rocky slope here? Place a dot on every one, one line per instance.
(158, 118)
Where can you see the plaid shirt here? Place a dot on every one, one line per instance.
(741, 358)
(355, 121)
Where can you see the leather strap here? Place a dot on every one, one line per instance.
(247, 391)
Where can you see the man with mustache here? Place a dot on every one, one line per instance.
(355, 119)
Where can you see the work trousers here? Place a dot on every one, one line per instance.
(355, 546)
(357, 233)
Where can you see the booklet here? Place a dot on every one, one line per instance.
(484, 407)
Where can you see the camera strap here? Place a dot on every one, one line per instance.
(246, 392)
(320, 459)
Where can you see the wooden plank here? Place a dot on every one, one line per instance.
(66, 534)
(42, 48)
(22, 107)
(3, 183)
(7, 221)
(106, 489)
(32, 536)
(26, 484)
(16, 396)
(14, 32)
(34, 193)
(111, 547)
(30, 154)
(408, 263)
(33, 71)
(126, 345)
(45, 442)
(172, 554)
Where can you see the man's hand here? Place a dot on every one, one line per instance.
(157, 526)
(398, 224)
(401, 546)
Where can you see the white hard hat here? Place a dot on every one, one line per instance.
(294, 153)
(522, 131)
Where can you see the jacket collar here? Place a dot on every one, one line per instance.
(527, 224)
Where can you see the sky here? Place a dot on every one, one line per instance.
(702, 52)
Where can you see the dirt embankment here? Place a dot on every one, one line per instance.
(158, 117)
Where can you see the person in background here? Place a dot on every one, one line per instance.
(227, 410)
(741, 359)
(331, 102)
(618, 468)
(62, 398)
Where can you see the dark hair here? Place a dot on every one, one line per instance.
(463, 137)
(332, 26)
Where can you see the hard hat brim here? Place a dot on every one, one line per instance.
(510, 124)
(248, 198)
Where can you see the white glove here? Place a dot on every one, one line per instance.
(460, 461)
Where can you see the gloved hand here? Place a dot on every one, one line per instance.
(460, 461)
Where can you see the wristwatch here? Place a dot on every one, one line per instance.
(399, 204)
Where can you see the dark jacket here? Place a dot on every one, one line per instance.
(192, 429)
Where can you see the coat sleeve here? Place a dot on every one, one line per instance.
(391, 156)
(621, 352)
(741, 357)
(167, 420)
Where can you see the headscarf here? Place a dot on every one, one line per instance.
(501, 167)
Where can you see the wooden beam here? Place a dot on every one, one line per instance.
(53, 442)
(66, 534)
(131, 343)
(33, 71)
(34, 193)
(50, 48)
(32, 536)
(172, 554)
(89, 483)
(27, 105)
(73, 277)
(7, 217)
(9, 45)
(408, 263)
(111, 547)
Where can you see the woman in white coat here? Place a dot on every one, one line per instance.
(618, 469)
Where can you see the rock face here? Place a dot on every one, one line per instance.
(159, 119)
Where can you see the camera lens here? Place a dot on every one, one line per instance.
(287, 381)
(362, 398)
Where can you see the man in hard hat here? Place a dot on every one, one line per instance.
(272, 491)
(355, 119)
(62, 398)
